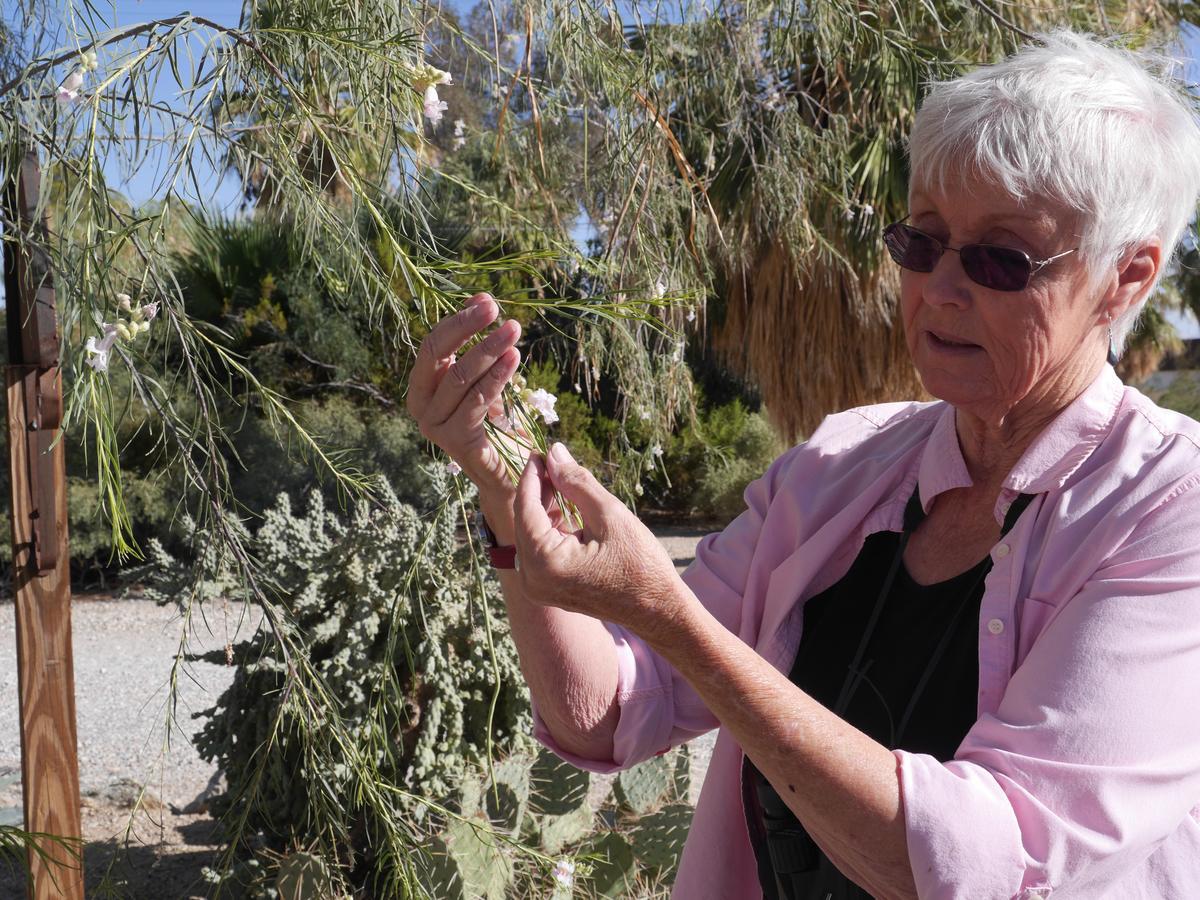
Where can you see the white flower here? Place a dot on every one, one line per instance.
(656, 451)
(149, 311)
(123, 302)
(543, 401)
(659, 289)
(644, 414)
(433, 106)
(578, 389)
(88, 61)
(691, 316)
(98, 350)
(459, 140)
(564, 872)
(677, 356)
(453, 468)
(69, 89)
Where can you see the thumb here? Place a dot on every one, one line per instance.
(579, 486)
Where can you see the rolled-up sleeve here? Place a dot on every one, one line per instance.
(658, 708)
(1092, 758)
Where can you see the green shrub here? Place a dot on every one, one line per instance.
(708, 467)
(1183, 395)
(386, 608)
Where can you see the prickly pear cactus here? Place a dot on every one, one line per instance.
(613, 864)
(303, 876)
(658, 839)
(682, 775)
(557, 787)
(507, 802)
(469, 863)
(556, 832)
(644, 788)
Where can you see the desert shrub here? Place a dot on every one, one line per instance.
(741, 445)
(388, 607)
(1183, 395)
(706, 467)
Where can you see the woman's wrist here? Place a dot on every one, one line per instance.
(496, 504)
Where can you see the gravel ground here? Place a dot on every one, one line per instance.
(123, 654)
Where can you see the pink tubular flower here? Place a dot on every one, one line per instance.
(98, 350)
(69, 89)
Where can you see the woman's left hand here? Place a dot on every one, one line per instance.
(612, 569)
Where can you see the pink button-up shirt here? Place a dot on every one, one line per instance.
(1081, 775)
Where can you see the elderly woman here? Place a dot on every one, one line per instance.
(953, 648)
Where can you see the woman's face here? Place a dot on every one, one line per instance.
(987, 351)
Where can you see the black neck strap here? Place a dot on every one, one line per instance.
(914, 514)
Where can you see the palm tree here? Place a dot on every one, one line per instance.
(786, 158)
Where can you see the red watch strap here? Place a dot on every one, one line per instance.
(503, 557)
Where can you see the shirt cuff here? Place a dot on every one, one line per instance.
(644, 701)
(963, 838)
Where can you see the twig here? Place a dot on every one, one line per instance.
(1003, 21)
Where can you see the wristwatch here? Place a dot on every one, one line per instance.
(501, 557)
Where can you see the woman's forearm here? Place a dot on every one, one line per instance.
(567, 658)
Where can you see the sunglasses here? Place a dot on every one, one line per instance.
(996, 268)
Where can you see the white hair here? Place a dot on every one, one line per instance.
(1101, 129)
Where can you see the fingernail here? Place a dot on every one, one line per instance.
(559, 450)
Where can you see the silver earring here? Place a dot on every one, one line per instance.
(1112, 349)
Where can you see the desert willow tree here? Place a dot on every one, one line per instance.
(759, 148)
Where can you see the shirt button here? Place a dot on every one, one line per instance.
(1002, 550)
(995, 626)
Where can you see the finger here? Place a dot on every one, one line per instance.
(444, 340)
(580, 486)
(462, 377)
(484, 393)
(533, 525)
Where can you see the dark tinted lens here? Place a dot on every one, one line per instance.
(998, 268)
(911, 248)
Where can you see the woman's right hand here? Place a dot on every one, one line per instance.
(450, 398)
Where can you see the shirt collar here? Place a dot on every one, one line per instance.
(1050, 459)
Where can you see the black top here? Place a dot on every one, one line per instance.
(912, 623)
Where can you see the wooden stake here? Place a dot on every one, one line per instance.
(41, 563)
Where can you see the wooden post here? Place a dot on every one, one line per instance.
(41, 564)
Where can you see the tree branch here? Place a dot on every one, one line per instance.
(1003, 21)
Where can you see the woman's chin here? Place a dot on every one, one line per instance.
(957, 386)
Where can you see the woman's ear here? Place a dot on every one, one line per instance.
(1137, 271)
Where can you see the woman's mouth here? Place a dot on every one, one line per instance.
(944, 343)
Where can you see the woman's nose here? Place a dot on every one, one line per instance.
(947, 284)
